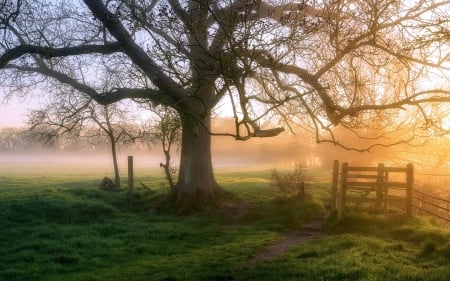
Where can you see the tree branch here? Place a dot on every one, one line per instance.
(110, 97)
(265, 60)
(49, 52)
(134, 51)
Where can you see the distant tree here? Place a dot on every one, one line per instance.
(9, 139)
(104, 123)
(315, 64)
(22, 140)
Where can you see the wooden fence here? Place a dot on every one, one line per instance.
(380, 185)
(424, 203)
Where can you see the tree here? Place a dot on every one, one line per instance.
(167, 132)
(104, 123)
(23, 140)
(314, 64)
(10, 140)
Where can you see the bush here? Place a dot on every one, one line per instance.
(294, 183)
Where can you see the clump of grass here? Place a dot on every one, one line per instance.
(283, 213)
(429, 247)
(309, 254)
(365, 223)
(60, 209)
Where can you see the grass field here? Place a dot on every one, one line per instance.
(57, 225)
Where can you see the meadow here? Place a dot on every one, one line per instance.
(57, 225)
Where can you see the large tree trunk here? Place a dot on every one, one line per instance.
(196, 186)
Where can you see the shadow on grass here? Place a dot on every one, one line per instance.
(283, 213)
(58, 209)
(69, 205)
(398, 226)
(430, 237)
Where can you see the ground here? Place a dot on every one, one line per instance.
(290, 240)
(57, 225)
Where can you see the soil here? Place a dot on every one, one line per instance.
(309, 231)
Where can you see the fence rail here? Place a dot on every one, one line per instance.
(431, 204)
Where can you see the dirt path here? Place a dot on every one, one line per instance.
(309, 231)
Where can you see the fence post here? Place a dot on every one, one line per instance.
(334, 185)
(130, 174)
(343, 190)
(409, 186)
(386, 190)
(380, 181)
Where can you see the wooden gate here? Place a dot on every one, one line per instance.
(380, 185)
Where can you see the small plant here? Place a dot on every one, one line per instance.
(294, 183)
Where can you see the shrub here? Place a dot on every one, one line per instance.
(294, 183)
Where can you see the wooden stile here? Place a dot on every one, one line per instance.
(365, 180)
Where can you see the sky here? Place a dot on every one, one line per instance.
(14, 110)
(12, 114)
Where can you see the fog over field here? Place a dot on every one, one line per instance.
(282, 151)
(277, 152)
(226, 152)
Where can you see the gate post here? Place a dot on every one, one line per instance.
(380, 181)
(409, 186)
(334, 185)
(343, 190)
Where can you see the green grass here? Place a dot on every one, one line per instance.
(57, 225)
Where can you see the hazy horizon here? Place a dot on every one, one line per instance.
(282, 151)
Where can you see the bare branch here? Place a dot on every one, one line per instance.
(265, 60)
(113, 96)
(134, 51)
(49, 52)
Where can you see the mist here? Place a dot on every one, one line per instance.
(283, 151)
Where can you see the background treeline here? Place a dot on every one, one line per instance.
(283, 150)
(21, 139)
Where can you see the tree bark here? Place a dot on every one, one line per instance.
(196, 187)
(166, 167)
